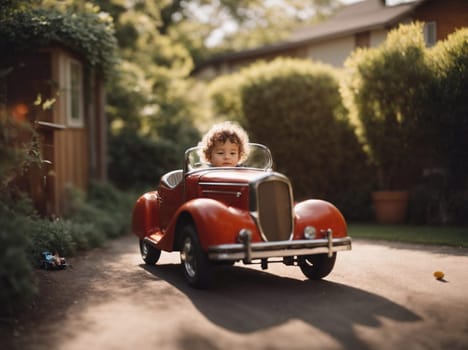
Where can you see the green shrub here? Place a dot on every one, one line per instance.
(295, 108)
(16, 273)
(139, 161)
(225, 95)
(389, 87)
(104, 214)
(108, 209)
(51, 236)
(83, 235)
(449, 60)
(16, 215)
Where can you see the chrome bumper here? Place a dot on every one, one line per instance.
(249, 251)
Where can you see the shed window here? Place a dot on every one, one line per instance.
(74, 94)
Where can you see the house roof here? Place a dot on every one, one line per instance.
(360, 16)
(354, 18)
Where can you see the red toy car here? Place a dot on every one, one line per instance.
(246, 213)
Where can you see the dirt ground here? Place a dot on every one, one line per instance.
(379, 296)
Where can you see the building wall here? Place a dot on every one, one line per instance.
(73, 151)
(71, 144)
(448, 14)
(71, 161)
(377, 37)
(97, 128)
(333, 52)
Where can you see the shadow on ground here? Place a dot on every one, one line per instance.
(244, 300)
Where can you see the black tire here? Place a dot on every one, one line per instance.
(149, 254)
(194, 261)
(316, 267)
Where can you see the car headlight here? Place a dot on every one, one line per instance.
(310, 232)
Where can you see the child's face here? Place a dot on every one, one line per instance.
(225, 154)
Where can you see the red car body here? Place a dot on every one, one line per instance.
(245, 213)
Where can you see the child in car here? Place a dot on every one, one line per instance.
(225, 144)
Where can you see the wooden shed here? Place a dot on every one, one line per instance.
(53, 90)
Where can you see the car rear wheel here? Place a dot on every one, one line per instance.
(317, 266)
(149, 254)
(195, 264)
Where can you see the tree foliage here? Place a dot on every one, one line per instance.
(89, 32)
(209, 27)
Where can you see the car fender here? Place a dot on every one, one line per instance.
(320, 214)
(215, 222)
(145, 215)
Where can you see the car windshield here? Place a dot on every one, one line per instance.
(259, 157)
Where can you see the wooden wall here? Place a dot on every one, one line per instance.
(70, 146)
(71, 165)
(73, 154)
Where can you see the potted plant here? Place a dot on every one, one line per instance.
(387, 87)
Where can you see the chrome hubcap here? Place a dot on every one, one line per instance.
(188, 258)
(144, 249)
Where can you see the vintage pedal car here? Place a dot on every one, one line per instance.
(221, 215)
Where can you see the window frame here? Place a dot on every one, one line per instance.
(74, 93)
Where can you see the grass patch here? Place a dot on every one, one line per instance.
(435, 235)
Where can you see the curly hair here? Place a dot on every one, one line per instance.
(221, 133)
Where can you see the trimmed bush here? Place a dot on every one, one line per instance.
(224, 93)
(295, 108)
(448, 130)
(389, 87)
(448, 103)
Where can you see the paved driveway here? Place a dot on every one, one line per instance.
(379, 296)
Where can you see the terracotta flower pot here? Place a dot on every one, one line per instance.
(390, 206)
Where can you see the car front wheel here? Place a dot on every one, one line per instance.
(149, 254)
(195, 264)
(317, 266)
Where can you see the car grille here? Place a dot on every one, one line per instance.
(274, 208)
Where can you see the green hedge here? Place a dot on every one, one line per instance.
(295, 108)
(136, 161)
(225, 95)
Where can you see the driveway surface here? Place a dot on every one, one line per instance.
(379, 296)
